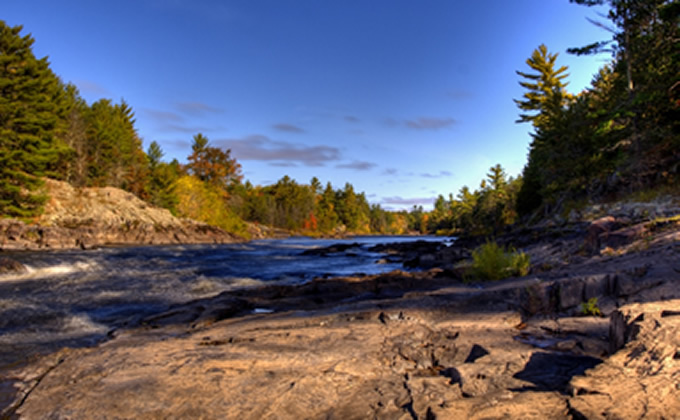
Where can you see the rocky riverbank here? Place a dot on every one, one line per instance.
(91, 217)
(420, 345)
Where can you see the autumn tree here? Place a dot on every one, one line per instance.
(213, 165)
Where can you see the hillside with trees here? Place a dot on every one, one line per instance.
(47, 130)
(617, 138)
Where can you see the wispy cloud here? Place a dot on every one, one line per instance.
(197, 108)
(357, 165)
(401, 201)
(428, 123)
(288, 128)
(441, 174)
(162, 117)
(391, 122)
(190, 129)
(390, 171)
(351, 119)
(422, 123)
(92, 88)
(459, 94)
(283, 164)
(170, 121)
(262, 148)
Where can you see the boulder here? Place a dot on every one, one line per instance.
(641, 379)
(8, 265)
(596, 229)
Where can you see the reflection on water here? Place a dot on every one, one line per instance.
(71, 298)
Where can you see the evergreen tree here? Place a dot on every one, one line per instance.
(115, 154)
(74, 135)
(644, 44)
(30, 110)
(162, 178)
(325, 210)
(546, 96)
(545, 89)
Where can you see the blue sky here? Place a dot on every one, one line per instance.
(404, 99)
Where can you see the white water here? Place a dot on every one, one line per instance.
(74, 298)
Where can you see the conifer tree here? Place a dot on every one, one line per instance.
(547, 98)
(30, 96)
(545, 88)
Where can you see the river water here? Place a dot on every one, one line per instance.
(74, 297)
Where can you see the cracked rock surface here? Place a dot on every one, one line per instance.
(393, 346)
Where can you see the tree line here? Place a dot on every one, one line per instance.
(48, 130)
(618, 136)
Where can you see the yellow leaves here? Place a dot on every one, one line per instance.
(204, 202)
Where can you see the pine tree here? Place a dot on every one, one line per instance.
(325, 209)
(547, 97)
(545, 89)
(30, 96)
(114, 149)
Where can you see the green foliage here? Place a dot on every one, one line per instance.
(311, 209)
(114, 149)
(162, 178)
(619, 136)
(493, 262)
(30, 113)
(546, 93)
(486, 211)
(590, 308)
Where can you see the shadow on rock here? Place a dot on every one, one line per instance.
(553, 371)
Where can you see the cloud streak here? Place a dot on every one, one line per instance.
(176, 121)
(441, 174)
(162, 117)
(197, 108)
(459, 94)
(429, 123)
(422, 123)
(357, 165)
(401, 201)
(262, 148)
(288, 128)
(390, 171)
(93, 88)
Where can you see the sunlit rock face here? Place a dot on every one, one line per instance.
(90, 217)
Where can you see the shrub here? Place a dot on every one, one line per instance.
(590, 308)
(491, 261)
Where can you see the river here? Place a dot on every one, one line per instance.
(74, 298)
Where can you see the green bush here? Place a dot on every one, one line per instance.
(590, 308)
(494, 262)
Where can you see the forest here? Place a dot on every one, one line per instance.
(617, 138)
(48, 130)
